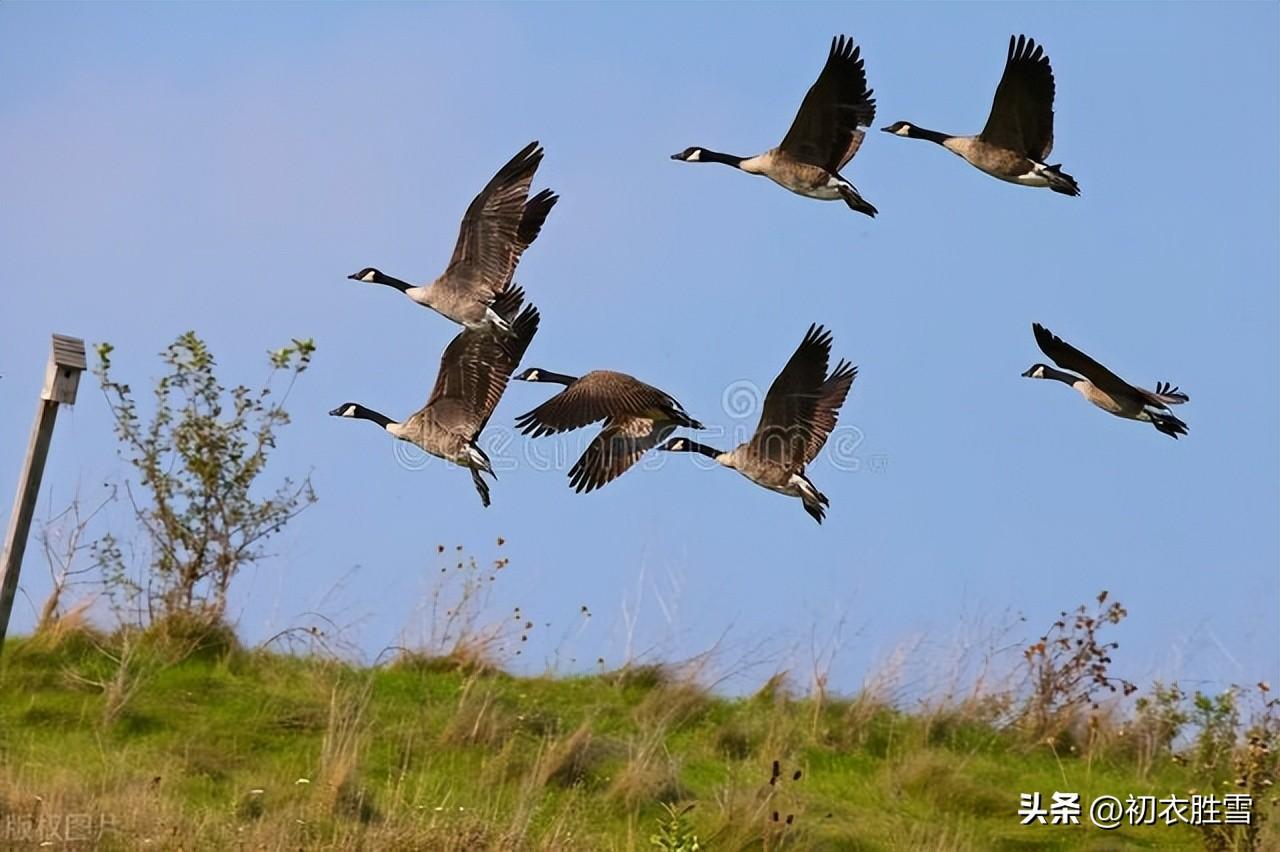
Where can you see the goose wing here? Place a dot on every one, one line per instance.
(620, 444)
(531, 219)
(826, 131)
(599, 395)
(1070, 358)
(831, 396)
(791, 419)
(499, 225)
(474, 372)
(1164, 395)
(1021, 117)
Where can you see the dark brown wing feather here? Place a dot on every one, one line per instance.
(789, 419)
(1163, 396)
(535, 213)
(852, 144)
(620, 444)
(825, 130)
(599, 395)
(475, 369)
(1021, 118)
(1070, 358)
(830, 397)
(498, 226)
(1170, 394)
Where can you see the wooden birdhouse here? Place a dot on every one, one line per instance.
(62, 376)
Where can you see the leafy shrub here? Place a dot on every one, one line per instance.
(199, 459)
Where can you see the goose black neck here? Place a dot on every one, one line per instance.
(362, 413)
(930, 135)
(1059, 376)
(393, 282)
(717, 157)
(695, 447)
(557, 378)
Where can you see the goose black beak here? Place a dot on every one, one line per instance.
(679, 156)
(354, 277)
(337, 412)
(1029, 373)
(886, 129)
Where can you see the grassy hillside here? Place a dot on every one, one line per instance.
(218, 747)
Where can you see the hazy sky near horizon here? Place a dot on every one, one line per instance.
(223, 167)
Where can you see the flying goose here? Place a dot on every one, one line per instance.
(637, 417)
(499, 225)
(824, 137)
(474, 371)
(1019, 133)
(799, 413)
(1105, 389)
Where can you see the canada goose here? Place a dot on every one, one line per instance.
(824, 137)
(637, 417)
(1019, 133)
(474, 371)
(799, 413)
(1105, 389)
(499, 225)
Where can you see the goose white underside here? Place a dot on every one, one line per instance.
(477, 460)
(802, 488)
(822, 193)
(491, 318)
(831, 191)
(1146, 414)
(471, 457)
(796, 486)
(1035, 177)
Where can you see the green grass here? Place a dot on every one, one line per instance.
(424, 754)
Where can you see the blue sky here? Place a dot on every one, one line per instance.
(223, 168)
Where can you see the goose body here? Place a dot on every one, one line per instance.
(773, 475)
(637, 417)
(1018, 137)
(800, 410)
(500, 223)
(1105, 389)
(826, 133)
(474, 371)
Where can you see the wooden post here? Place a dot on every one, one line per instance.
(61, 380)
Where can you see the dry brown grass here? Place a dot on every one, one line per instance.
(735, 740)
(184, 634)
(468, 659)
(672, 706)
(130, 664)
(572, 760)
(479, 718)
(856, 720)
(776, 688)
(941, 778)
(761, 810)
(341, 792)
(73, 626)
(651, 774)
(642, 675)
(922, 837)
